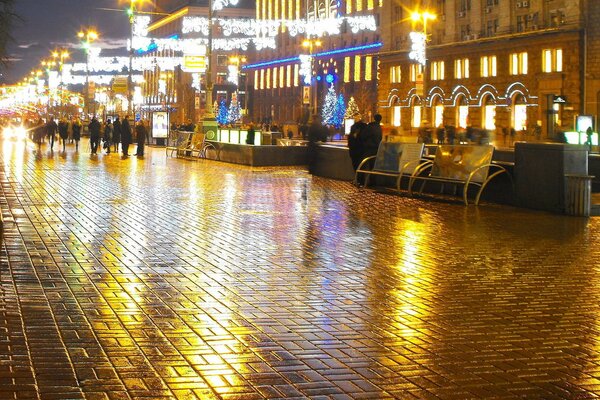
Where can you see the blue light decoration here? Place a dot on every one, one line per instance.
(369, 46)
(319, 78)
(329, 78)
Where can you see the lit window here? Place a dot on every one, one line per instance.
(415, 71)
(256, 80)
(488, 66)
(268, 78)
(356, 68)
(370, 4)
(270, 9)
(348, 6)
(347, 69)
(552, 60)
(395, 74)
(281, 77)
(262, 78)
(275, 77)
(359, 5)
(368, 68)
(297, 9)
(416, 116)
(296, 74)
(396, 116)
(461, 68)
(437, 70)
(288, 76)
(518, 63)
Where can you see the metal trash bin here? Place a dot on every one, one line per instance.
(578, 195)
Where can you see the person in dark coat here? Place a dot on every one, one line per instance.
(76, 132)
(355, 148)
(251, 134)
(141, 132)
(108, 135)
(94, 128)
(38, 133)
(63, 132)
(316, 133)
(51, 129)
(116, 133)
(371, 137)
(125, 136)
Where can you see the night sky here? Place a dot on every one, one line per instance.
(50, 24)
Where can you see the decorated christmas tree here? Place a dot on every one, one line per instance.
(328, 113)
(352, 109)
(222, 114)
(234, 113)
(340, 111)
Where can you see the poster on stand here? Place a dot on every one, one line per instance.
(160, 124)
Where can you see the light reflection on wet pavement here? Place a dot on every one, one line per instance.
(165, 278)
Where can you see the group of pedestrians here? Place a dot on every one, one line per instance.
(110, 134)
(364, 139)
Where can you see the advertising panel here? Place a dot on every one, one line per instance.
(160, 124)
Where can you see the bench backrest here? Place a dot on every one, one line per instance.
(197, 139)
(393, 156)
(178, 138)
(458, 161)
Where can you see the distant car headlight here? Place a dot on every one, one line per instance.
(20, 133)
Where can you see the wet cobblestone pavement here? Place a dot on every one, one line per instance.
(165, 278)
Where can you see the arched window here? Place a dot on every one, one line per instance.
(462, 111)
(489, 113)
(519, 112)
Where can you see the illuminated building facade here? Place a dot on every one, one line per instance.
(492, 64)
(344, 39)
(170, 85)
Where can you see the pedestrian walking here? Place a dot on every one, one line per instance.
(355, 147)
(116, 134)
(125, 136)
(108, 134)
(63, 128)
(371, 137)
(51, 129)
(76, 132)
(94, 128)
(141, 132)
(39, 132)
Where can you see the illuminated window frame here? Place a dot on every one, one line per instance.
(288, 76)
(256, 81)
(349, 6)
(552, 60)
(437, 70)
(347, 69)
(368, 68)
(281, 77)
(395, 74)
(489, 66)
(357, 68)
(415, 69)
(275, 76)
(461, 68)
(296, 75)
(359, 5)
(518, 63)
(262, 79)
(268, 78)
(370, 4)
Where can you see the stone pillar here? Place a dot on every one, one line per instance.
(540, 170)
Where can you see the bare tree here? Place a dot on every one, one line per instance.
(7, 18)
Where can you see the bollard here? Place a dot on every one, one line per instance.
(578, 195)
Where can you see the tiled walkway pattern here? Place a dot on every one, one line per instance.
(164, 278)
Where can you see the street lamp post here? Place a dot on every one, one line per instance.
(209, 122)
(89, 35)
(311, 44)
(131, 13)
(419, 47)
(60, 56)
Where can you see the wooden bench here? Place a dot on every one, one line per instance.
(393, 159)
(464, 165)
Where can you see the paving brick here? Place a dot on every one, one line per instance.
(164, 278)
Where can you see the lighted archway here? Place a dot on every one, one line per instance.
(437, 110)
(519, 112)
(488, 108)
(462, 111)
(416, 111)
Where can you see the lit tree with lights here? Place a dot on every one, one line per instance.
(352, 109)
(340, 111)
(329, 105)
(234, 113)
(222, 115)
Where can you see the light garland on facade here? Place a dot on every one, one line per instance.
(270, 28)
(306, 68)
(221, 4)
(417, 49)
